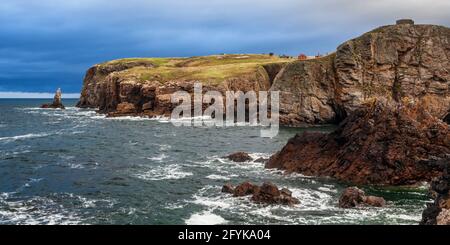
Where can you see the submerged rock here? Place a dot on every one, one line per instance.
(240, 157)
(268, 193)
(384, 143)
(57, 101)
(354, 197)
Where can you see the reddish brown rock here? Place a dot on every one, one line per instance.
(240, 157)
(124, 108)
(245, 189)
(384, 143)
(351, 197)
(438, 212)
(268, 193)
(354, 197)
(375, 201)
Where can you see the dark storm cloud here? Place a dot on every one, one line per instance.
(50, 43)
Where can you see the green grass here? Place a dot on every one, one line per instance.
(211, 69)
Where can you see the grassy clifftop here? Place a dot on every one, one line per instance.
(212, 69)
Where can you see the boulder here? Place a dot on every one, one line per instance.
(239, 157)
(354, 197)
(375, 201)
(351, 197)
(245, 189)
(267, 193)
(270, 194)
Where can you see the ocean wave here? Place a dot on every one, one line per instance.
(158, 158)
(205, 218)
(171, 171)
(217, 177)
(35, 211)
(25, 136)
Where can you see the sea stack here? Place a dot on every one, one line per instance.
(57, 102)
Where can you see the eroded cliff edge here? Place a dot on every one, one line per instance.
(397, 62)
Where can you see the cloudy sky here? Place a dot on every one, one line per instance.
(45, 44)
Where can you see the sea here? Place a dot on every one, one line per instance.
(76, 166)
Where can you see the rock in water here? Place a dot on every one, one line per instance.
(240, 157)
(268, 193)
(354, 197)
(245, 189)
(384, 143)
(351, 197)
(228, 188)
(438, 212)
(57, 101)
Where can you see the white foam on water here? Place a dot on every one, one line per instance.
(173, 206)
(217, 177)
(205, 218)
(166, 172)
(128, 118)
(158, 158)
(25, 136)
(164, 147)
(35, 211)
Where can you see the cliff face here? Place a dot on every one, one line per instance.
(402, 62)
(386, 143)
(393, 62)
(144, 86)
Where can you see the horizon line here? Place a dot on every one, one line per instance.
(35, 95)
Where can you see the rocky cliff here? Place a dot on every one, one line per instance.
(396, 62)
(144, 86)
(383, 143)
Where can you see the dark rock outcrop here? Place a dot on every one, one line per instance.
(245, 189)
(384, 143)
(57, 101)
(354, 197)
(268, 193)
(438, 212)
(239, 157)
